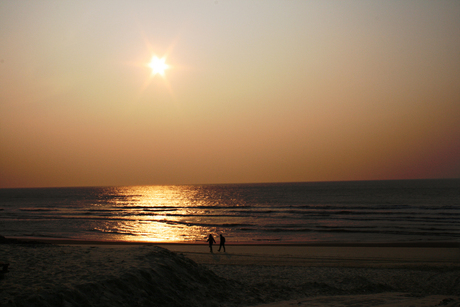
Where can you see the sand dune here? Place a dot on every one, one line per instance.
(42, 275)
(132, 275)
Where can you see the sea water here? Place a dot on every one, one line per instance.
(361, 211)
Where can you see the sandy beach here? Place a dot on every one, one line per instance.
(93, 274)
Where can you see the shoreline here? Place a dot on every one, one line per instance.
(436, 244)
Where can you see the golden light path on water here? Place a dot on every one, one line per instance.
(158, 214)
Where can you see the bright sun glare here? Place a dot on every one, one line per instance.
(158, 66)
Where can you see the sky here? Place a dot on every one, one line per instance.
(255, 91)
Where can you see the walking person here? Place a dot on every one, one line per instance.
(211, 241)
(222, 243)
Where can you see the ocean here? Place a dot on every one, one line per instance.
(306, 212)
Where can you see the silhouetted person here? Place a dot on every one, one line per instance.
(222, 243)
(211, 242)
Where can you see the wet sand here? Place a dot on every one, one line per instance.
(357, 255)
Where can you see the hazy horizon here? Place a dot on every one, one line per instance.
(253, 92)
(231, 183)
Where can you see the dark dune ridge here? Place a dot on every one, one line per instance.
(164, 279)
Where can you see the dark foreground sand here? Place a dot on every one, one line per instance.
(188, 275)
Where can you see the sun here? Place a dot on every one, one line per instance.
(158, 66)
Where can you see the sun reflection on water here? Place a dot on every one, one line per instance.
(156, 214)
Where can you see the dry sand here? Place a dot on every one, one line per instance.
(148, 275)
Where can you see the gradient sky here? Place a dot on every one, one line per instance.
(257, 91)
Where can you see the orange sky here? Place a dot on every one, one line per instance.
(257, 91)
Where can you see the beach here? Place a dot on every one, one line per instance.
(98, 274)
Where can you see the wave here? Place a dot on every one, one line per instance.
(113, 231)
(440, 233)
(203, 224)
(43, 235)
(39, 209)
